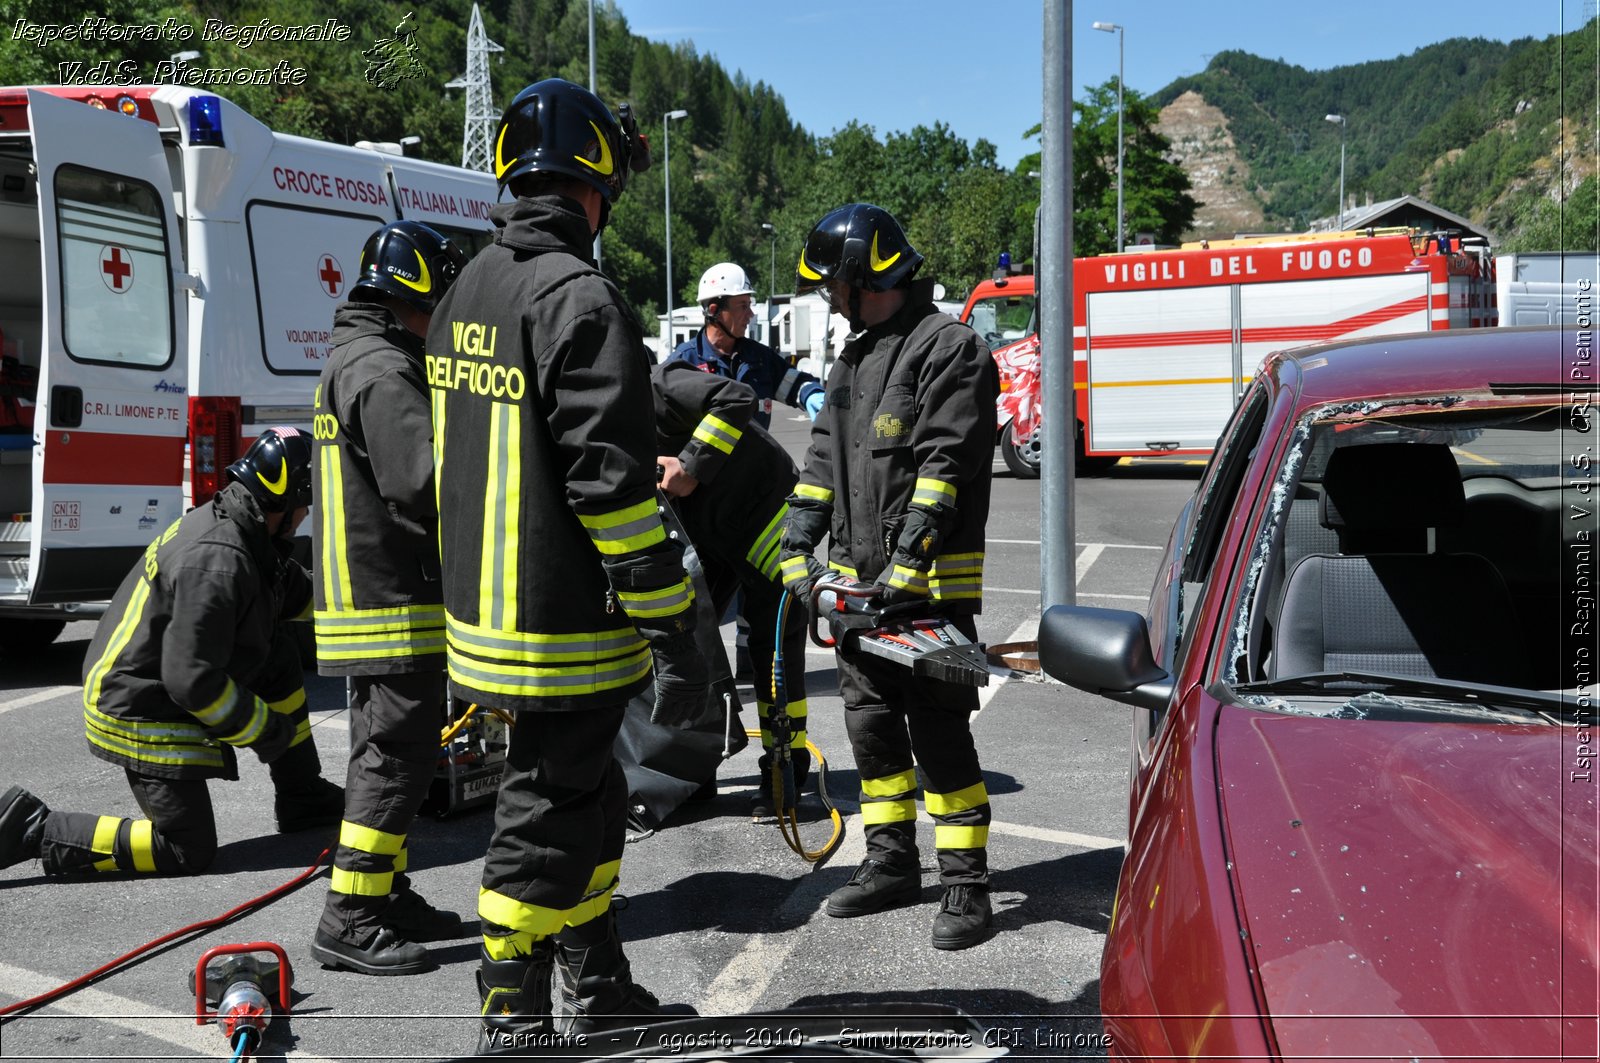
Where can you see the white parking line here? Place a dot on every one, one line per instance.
(47, 694)
(1057, 837)
(1106, 546)
(136, 1016)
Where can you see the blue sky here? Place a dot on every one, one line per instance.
(894, 64)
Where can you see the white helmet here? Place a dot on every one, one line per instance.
(723, 280)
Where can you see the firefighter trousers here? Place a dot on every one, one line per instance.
(177, 837)
(394, 750)
(559, 827)
(897, 723)
(728, 571)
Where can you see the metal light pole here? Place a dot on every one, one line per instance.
(1338, 120)
(772, 276)
(1112, 27)
(666, 179)
(591, 89)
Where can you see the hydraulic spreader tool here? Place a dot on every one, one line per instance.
(906, 633)
(244, 987)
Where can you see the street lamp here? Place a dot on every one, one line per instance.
(772, 275)
(1338, 120)
(666, 156)
(1112, 27)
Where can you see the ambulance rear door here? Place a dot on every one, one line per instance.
(110, 426)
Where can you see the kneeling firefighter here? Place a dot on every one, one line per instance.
(560, 585)
(380, 605)
(898, 472)
(192, 661)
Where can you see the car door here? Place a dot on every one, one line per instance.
(108, 468)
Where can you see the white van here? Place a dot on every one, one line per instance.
(173, 267)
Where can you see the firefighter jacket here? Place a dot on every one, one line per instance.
(168, 679)
(544, 440)
(380, 606)
(744, 474)
(756, 364)
(905, 441)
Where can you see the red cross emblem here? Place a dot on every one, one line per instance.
(331, 274)
(116, 268)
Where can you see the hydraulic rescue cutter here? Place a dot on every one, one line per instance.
(906, 633)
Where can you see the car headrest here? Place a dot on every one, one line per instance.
(1392, 487)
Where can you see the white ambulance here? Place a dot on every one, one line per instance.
(173, 267)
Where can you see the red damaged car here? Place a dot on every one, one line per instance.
(1362, 816)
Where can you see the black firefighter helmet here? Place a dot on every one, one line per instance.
(276, 470)
(409, 261)
(862, 246)
(554, 126)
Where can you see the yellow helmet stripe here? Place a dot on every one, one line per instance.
(880, 264)
(605, 165)
(424, 281)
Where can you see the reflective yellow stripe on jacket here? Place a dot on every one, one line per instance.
(375, 634)
(526, 664)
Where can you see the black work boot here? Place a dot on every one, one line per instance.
(304, 798)
(379, 951)
(515, 998)
(410, 915)
(22, 817)
(876, 886)
(964, 917)
(597, 987)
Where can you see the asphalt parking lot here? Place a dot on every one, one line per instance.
(720, 915)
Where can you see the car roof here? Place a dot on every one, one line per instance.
(1435, 363)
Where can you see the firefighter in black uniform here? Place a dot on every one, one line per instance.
(560, 585)
(898, 476)
(380, 607)
(191, 662)
(731, 479)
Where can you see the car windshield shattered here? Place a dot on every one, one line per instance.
(1412, 562)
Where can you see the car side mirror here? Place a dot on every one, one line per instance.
(1105, 652)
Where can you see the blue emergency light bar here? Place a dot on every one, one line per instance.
(205, 121)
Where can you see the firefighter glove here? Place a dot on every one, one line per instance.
(681, 680)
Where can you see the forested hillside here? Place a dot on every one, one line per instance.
(1495, 132)
(1474, 126)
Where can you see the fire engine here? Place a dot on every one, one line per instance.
(175, 265)
(1165, 341)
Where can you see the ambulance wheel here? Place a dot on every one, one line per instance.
(1022, 458)
(19, 636)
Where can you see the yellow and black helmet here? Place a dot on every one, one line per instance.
(277, 470)
(554, 126)
(409, 261)
(859, 244)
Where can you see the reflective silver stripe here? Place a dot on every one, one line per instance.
(574, 648)
(908, 579)
(397, 618)
(622, 531)
(931, 492)
(254, 728)
(216, 713)
(379, 647)
(763, 552)
(789, 386)
(335, 572)
(718, 433)
(535, 681)
(498, 574)
(663, 601)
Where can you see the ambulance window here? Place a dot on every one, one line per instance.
(471, 241)
(116, 284)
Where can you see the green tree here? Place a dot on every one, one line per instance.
(1155, 190)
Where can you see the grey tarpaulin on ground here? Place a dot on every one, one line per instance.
(665, 765)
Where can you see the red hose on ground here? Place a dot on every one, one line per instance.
(205, 924)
